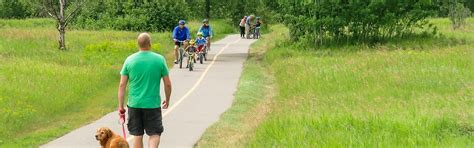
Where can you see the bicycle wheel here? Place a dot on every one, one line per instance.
(190, 64)
(180, 58)
(206, 50)
(201, 56)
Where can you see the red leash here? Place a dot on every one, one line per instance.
(122, 121)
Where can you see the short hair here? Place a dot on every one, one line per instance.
(144, 40)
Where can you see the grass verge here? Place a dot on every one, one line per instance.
(252, 100)
(410, 93)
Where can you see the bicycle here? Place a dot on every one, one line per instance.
(252, 31)
(202, 55)
(191, 61)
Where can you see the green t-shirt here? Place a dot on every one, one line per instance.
(144, 70)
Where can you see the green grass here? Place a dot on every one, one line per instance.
(410, 93)
(252, 99)
(45, 93)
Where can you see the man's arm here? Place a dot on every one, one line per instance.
(167, 82)
(121, 91)
(174, 33)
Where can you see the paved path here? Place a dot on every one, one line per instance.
(197, 101)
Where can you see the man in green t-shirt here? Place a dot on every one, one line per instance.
(143, 71)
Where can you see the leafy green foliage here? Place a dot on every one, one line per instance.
(458, 14)
(12, 9)
(157, 15)
(352, 21)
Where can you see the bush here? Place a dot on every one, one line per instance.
(155, 15)
(12, 9)
(458, 14)
(353, 21)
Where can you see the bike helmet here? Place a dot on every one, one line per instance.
(192, 42)
(181, 22)
(199, 33)
(205, 21)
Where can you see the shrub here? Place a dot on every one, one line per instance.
(154, 15)
(458, 14)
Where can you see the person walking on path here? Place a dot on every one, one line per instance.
(242, 26)
(143, 71)
(248, 24)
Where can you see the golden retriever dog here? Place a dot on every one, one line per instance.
(109, 139)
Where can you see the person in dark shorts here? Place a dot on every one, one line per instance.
(144, 71)
(180, 33)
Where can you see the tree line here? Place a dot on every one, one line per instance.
(317, 21)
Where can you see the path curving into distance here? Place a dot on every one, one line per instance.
(198, 99)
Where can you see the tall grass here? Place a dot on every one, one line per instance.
(45, 92)
(252, 99)
(404, 93)
(414, 92)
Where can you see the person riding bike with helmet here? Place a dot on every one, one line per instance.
(191, 49)
(206, 31)
(180, 34)
(200, 41)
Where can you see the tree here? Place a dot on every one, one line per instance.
(458, 14)
(58, 12)
(12, 9)
(208, 8)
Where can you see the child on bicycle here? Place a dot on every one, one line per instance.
(200, 41)
(191, 50)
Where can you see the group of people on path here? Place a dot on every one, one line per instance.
(250, 26)
(182, 34)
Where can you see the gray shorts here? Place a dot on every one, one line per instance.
(142, 120)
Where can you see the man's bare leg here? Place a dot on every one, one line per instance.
(138, 141)
(154, 141)
(176, 52)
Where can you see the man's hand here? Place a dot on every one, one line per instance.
(121, 93)
(165, 104)
(121, 111)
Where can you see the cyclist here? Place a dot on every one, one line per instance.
(191, 49)
(180, 33)
(200, 41)
(206, 32)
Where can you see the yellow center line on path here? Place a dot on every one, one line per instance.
(195, 84)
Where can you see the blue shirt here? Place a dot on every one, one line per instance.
(200, 41)
(181, 34)
(205, 30)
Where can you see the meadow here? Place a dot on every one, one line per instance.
(411, 92)
(44, 92)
